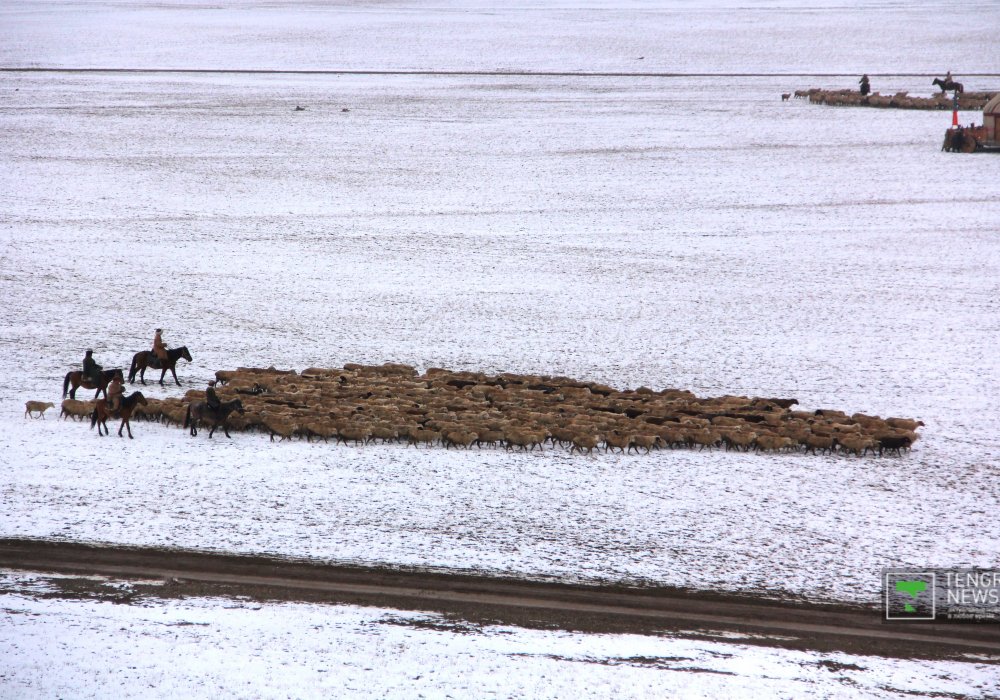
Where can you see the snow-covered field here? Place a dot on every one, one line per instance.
(196, 648)
(690, 232)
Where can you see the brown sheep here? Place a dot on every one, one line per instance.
(904, 423)
(37, 406)
(584, 441)
(459, 438)
(646, 442)
(76, 409)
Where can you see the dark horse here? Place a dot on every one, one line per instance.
(946, 85)
(78, 380)
(199, 412)
(125, 409)
(144, 359)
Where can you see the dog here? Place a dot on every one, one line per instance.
(39, 406)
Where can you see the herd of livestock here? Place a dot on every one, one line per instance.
(899, 100)
(359, 404)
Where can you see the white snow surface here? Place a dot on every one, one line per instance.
(207, 647)
(690, 232)
(694, 233)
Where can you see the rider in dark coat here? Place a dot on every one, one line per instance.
(211, 398)
(865, 85)
(91, 370)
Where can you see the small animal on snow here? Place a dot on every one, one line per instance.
(39, 407)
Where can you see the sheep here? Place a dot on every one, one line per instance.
(384, 432)
(584, 441)
(814, 442)
(894, 443)
(772, 443)
(489, 437)
(617, 439)
(739, 440)
(40, 406)
(172, 411)
(279, 425)
(421, 436)
(76, 409)
(904, 423)
(705, 438)
(646, 442)
(320, 429)
(524, 439)
(858, 444)
(779, 403)
(459, 438)
(360, 434)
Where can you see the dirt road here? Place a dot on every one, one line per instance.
(484, 599)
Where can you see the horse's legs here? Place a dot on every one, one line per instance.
(173, 371)
(163, 373)
(212, 431)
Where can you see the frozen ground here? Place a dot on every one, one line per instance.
(589, 228)
(201, 647)
(686, 232)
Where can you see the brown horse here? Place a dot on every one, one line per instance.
(79, 381)
(125, 409)
(199, 412)
(144, 359)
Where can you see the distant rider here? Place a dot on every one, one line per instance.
(159, 349)
(865, 84)
(91, 370)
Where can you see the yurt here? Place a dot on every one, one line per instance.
(991, 119)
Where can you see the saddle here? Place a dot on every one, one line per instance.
(154, 362)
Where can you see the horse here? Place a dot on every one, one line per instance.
(125, 409)
(199, 412)
(142, 360)
(78, 380)
(947, 85)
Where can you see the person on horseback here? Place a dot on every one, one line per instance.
(91, 370)
(865, 84)
(211, 398)
(114, 393)
(159, 350)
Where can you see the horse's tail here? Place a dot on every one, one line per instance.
(66, 384)
(134, 368)
(93, 418)
(187, 416)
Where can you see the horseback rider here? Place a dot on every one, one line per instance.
(865, 84)
(115, 392)
(159, 349)
(211, 398)
(91, 370)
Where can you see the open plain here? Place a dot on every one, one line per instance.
(662, 221)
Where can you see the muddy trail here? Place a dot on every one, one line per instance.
(470, 600)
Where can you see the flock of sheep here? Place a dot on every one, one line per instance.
(359, 404)
(900, 100)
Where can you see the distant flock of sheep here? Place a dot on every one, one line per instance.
(359, 404)
(900, 100)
